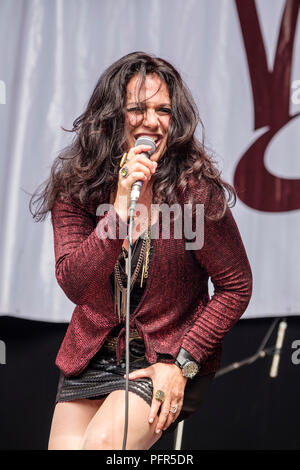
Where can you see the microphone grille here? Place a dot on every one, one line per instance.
(146, 140)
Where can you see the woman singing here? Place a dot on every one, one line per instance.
(176, 328)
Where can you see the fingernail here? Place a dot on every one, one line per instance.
(158, 431)
(151, 420)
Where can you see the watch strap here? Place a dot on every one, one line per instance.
(184, 356)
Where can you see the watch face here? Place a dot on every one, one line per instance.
(190, 369)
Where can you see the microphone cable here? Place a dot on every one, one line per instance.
(135, 193)
(127, 327)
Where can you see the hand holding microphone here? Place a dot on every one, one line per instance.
(139, 171)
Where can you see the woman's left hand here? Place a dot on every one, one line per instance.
(169, 379)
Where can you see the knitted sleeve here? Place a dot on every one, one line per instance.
(224, 258)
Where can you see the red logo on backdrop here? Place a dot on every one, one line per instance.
(255, 185)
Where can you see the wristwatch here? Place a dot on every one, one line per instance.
(187, 364)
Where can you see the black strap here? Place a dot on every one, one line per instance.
(184, 356)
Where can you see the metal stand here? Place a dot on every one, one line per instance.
(261, 352)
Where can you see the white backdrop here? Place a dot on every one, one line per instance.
(51, 55)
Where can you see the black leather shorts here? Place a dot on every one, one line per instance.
(103, 375)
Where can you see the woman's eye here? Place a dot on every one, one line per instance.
(164, 110)
(141, 110)
(135, 109)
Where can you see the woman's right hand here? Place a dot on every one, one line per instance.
(140, 168)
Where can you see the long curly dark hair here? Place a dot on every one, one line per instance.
(88, 169)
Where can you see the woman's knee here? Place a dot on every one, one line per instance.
(101, 439)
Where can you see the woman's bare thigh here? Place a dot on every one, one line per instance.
(69, 423)
(106, 429)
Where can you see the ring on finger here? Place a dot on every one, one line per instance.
(124, 171)
(159, 396)
(173, 409)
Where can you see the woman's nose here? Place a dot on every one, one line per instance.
(150, 118)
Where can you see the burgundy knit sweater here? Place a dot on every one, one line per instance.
(175, 310)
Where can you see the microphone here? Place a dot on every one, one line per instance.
(137, 186)
(278, 347)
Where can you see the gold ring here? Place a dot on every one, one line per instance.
(124, 171)
(123, 159)
(159, 396)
